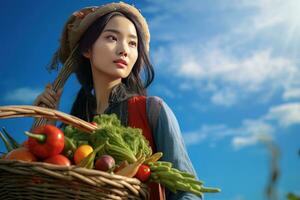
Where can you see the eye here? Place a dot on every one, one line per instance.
(133, 43)
(111, 38)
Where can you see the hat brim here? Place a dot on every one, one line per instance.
(80, 21)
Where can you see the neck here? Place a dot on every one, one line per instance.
(103, 86)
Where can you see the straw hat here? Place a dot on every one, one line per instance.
(80, 20)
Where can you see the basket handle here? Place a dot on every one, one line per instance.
(65, 72)
(47, 113)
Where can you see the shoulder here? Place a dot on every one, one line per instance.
(158, 110)
(154, 100)
(156, 104)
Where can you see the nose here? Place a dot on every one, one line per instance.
(122, 50)
(123, 53)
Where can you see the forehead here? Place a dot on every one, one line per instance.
(122, 25)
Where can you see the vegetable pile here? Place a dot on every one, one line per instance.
(122, 143)
(112, 148)
(45, 144)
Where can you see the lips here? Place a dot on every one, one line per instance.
(120, 61)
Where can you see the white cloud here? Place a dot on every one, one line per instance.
(251, 131)
(212, 132)
(224, 98)
(272, 12)
(260, 74)
(239, 142)
(247, 19)
(246, 135)
(194, 137)
(22, 95)
(190, 68)
(256, 127)
(248, 53)
(286, 114)
(242, 56)
(252, 73)
(291, 93)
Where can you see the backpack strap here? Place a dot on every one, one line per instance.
(137, 118)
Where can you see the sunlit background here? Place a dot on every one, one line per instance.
(228, 69)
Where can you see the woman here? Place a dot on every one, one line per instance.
(109, 47)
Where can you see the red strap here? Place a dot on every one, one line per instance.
(137, 118)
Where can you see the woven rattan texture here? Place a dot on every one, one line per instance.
(38, 112)
(38, 180)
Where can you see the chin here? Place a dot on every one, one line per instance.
(118, 76)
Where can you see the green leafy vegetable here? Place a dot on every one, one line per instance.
(122, 143)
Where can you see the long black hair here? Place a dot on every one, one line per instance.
(85, 103)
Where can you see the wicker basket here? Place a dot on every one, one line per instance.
(37, 180)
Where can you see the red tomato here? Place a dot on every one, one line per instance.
(58, 160)
(143, 173)
(46, 141)
(21, 153)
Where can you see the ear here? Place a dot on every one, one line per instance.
(87, 54)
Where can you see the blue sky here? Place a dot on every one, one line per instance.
(229, 70)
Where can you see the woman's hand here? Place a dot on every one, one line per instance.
(49, 98)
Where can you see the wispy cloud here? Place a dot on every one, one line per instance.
(233, 78)
(194, 137)
(239, 142)
(227, 62)
(225, 97)
(291, 94)
(262, 129)
(270, 13)
(251, 131)
(286, 114)
(211, 132)
(22, 95)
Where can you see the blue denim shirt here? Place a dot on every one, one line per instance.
(168, 139)
(165, 129)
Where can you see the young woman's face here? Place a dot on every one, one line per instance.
(115, 51)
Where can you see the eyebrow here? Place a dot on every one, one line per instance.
(118, 32)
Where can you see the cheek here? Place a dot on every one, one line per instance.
(101, 53)
(100, 50)
(134, 57)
